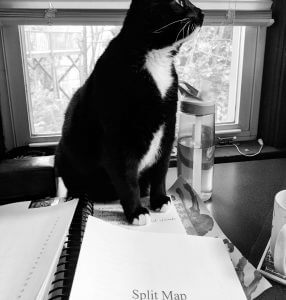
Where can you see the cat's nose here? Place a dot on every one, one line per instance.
(194, 12)
(200, 17)
(197, 15)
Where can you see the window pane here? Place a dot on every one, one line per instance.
(57, 60)
(210, 64)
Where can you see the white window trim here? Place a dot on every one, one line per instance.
(14, 106)
(217, 12)
(100, 4)
(249, 89)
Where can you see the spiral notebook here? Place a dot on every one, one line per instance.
(63, 277)
(31, 243)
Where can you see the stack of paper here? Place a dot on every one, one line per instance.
(31, 241)
(117, 263)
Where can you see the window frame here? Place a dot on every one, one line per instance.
(15, 115)
(248, 89)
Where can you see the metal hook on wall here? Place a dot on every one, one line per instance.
(230, 16)
(50, 13)
(231, 13)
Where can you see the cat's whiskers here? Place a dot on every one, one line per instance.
(188, 30)
(193, 27)
(178, 35)
(182, 30)
(160, 29)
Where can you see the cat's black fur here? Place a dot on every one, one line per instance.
(111, 120)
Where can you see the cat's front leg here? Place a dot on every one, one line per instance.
(159, 201)
(127, 186)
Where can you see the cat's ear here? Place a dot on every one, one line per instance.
(137, 2)
(145, 3)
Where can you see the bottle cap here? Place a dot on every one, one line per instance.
(194, 105)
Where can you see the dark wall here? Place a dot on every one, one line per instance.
(2, 146)
(272, 121)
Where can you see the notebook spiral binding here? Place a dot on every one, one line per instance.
(63, 277)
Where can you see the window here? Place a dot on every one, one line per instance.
(209, 63)
(57, 60)
(45, 64)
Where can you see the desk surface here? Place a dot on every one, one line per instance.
(242, 201)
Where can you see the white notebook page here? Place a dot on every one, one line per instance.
(116, 263)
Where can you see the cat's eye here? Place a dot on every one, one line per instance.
(180, 2)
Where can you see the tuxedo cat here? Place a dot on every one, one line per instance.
(119, 127)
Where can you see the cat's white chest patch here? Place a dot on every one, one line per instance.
(159, 65)
(154, 150)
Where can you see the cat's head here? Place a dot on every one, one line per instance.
(162, 22)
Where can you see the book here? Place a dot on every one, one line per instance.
(31, 243)
(266, 267)
(122, 264)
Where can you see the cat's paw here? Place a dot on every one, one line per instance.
(141, 217)
(161, 204)
(142, 220)
(164, 208)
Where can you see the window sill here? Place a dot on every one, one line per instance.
(223, 154)
(229, 153)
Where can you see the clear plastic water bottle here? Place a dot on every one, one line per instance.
(196, 142)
